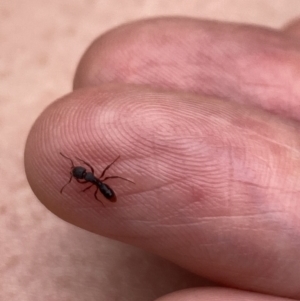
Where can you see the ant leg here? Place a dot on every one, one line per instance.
(89, 165)
(95, 195)
(116, 177)
(107, 167)
(66, 184)
(85, 189)
(68, 159)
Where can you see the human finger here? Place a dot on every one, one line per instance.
(241, 63)
(293, 29)
(218, 294)
(216, 183)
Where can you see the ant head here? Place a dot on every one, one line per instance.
(79, 172)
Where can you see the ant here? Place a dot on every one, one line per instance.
(80, 173)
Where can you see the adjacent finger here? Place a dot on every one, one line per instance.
(216, 184)
(217, 294)
(241, 63)
(293, 29)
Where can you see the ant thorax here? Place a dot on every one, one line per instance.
(90, 177)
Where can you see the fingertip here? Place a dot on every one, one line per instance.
(71, 127)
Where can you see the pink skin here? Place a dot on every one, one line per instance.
(206, 117)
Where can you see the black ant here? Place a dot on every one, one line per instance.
(80, 173)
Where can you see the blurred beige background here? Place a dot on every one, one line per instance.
(41, 44)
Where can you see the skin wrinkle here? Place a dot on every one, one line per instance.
(273, 141)
(230, 176)
(267, 164)
(204, 219)
(265, 86)
(185, 225)
(266, 187)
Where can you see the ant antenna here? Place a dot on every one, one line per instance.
(68, 159)
(70, 172)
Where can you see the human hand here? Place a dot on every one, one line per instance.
(205, 116)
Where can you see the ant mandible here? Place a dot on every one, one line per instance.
(80, 173)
